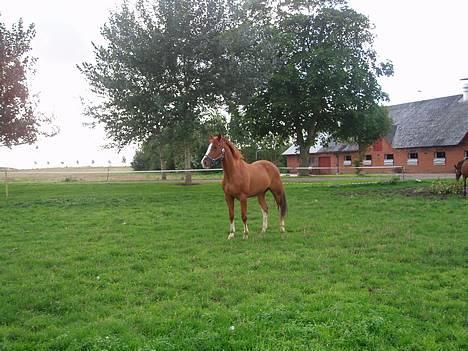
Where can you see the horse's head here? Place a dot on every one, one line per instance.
(458, 169)
(214, 152)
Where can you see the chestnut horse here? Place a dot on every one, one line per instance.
(462, 170)
(242, 180)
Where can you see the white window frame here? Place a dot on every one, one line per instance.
(412, 161)
(347, 162)
(366, 162)
(387, 161)
(439, 161)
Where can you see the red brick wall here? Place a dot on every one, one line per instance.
(292, 161)
(425, 158)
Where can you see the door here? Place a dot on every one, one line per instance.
(325, 161)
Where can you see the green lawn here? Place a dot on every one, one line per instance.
(148, 267)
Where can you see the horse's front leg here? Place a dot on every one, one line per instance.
(230, 204)
(264, 206)
(243, 202)
(464, 186)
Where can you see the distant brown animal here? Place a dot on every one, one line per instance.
(242, 180)
(462, 170)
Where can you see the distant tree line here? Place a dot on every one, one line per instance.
(282, 71)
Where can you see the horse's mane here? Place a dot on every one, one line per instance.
(234, 150)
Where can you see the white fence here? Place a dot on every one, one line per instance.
(113, 174)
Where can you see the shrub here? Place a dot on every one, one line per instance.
(357, 163)
(439, 187)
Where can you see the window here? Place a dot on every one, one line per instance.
(367, 160)
(388, 160)
(412, 159)
(466, 154)
(439, 158)
(347, 160)
(439, 154)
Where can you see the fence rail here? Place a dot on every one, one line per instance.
(109, 174)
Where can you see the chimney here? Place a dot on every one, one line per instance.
(465, 89)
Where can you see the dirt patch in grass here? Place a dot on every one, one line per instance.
(426, 192)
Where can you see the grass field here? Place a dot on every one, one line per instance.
(147, 267)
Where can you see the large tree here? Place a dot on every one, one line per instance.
(20, 121)
(325, 67)
(162, 65)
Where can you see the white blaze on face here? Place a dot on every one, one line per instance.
(209, 149)
(207, 153)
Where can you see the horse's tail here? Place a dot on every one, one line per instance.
(283, 204)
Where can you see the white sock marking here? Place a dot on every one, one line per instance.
(265, 221)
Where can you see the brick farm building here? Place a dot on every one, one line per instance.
(427, 136)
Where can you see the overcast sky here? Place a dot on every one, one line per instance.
(426, 40)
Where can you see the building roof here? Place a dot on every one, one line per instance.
(427, 123)
(294, 150)
(338, 147)
(435, 122)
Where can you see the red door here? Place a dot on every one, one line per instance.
(325, 161)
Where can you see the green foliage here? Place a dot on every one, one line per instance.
(357, 164)
(20, 122)
(325, 66)
(148, 267)
(160, 68)
(168, 146)
(364, 127)
(440, 187)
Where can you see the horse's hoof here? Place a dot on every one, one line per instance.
(230, 236)
(245, 237)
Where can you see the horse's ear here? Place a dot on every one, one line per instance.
(219, 137)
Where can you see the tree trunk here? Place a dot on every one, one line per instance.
(162, 160)
(303, 160)
(358, 162)
(188, 164)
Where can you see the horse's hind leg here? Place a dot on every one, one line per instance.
(232, 229)
(280, 198)
(264, 207)
(243, 202)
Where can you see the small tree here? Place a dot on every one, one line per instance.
(20, 122)
(364, 128)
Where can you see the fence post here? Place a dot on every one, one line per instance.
(6, 183)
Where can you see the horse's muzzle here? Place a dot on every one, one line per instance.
(206, 162)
